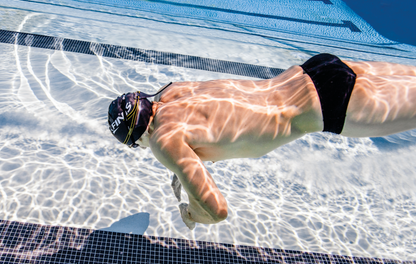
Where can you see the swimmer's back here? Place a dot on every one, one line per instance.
(238, 118)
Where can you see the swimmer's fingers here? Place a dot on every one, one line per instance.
(183, 208)
(176, 186)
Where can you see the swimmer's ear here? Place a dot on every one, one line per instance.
(150, 124)
(154, 107)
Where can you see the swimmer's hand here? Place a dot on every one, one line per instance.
(176, 186)
(186, 217)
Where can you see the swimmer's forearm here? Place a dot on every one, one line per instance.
(198, 214)
(206, 203)
(177, 186)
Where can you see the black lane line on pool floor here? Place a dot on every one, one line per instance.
(136, 54)
(35, 243)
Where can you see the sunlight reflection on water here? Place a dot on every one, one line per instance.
(60, 165)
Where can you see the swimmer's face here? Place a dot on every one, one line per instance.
(143, 141)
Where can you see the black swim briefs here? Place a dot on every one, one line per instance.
(334, 82)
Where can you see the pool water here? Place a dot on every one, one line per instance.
(60, 165)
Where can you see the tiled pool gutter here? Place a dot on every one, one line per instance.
(35, 243)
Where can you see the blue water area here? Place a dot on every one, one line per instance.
(326, 18)
(393, 19)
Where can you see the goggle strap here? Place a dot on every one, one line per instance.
(161, 90)
(130, 130)
(127, 117)
(132, 124)
(132, 111)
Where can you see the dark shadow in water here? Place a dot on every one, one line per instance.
(387, 144)
(134, 224)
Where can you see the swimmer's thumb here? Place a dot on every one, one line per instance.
(183, 208)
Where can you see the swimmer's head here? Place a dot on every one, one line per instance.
(128, 117)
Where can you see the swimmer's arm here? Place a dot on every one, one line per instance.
(206, 203)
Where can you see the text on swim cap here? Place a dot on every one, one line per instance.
(116, 123)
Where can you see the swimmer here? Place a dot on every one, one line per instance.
(192, 122)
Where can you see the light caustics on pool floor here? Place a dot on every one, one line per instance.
(59, 165)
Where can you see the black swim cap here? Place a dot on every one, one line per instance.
(129, 115)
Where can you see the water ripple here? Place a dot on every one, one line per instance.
(60, 165)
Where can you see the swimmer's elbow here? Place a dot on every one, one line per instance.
(217, 217)
(221, 215)
(208, 216)
(213, 213)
